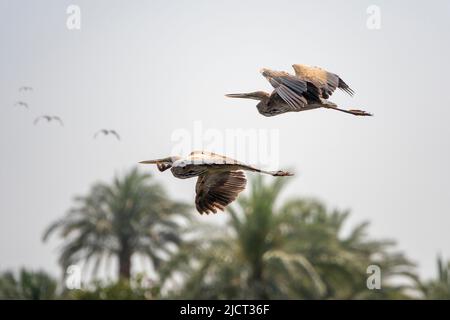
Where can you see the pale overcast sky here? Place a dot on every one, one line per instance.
(150, 68)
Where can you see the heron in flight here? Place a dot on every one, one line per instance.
(107, 132)
(49, 119)
(220, 179)
(25, 88)
(21, 104)
(308, 89)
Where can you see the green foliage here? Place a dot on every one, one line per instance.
(133, 215)
(135, 289)
(296, 251)
(439, 288)
(27, 285)
(266, 250)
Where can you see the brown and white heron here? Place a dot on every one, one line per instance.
(49, 119)
(220, 179)
(308, 89)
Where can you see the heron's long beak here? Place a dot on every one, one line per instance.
(156, 161)
(250, 95)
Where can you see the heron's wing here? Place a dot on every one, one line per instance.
(207, 157)
(59, 120)
(37, 120)
(115, 134)
(21, 103)
(291, 89)
(216, 190)
(326, 81)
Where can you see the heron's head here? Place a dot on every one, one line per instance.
(256, 95)
(162, 164)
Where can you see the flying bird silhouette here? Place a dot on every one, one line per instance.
(220, 179)
(107, 132)
(307, 90)
(25, 88)
(49, 119)
(21, 104)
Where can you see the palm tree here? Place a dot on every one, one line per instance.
(131, 216)
(27, 285)
(439, 288)
(133, 289)
(293, 251)
(342, 260)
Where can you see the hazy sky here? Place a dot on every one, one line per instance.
(150, 68)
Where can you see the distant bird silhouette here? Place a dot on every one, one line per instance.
(308, 89)
(107, 132)
(49, 119)
(25, 88)
(21, 104)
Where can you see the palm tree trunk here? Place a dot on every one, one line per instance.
(125, 264)
(257, 282)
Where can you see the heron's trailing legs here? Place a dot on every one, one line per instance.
(278, 173)
(354, 112)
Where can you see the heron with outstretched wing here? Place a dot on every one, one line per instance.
(220, 179)
(307, 90)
